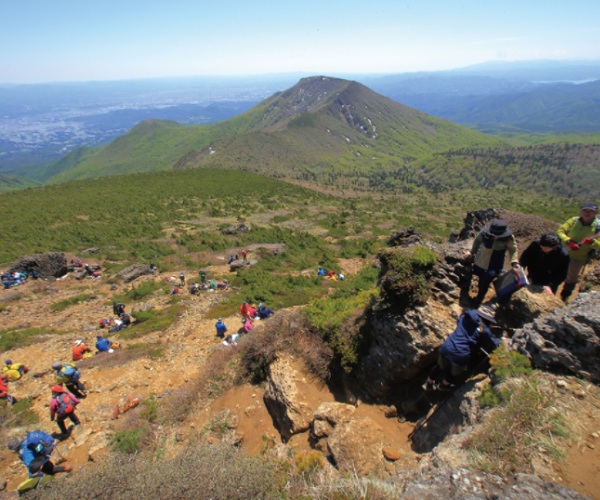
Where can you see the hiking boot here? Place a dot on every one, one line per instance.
(68, 468)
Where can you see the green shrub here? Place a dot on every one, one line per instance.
(507, 363)
(406, 275)
(141, 291)
(127, 441)
(9, 339)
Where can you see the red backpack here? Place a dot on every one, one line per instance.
(65, 405)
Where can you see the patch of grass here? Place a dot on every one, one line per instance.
(513, 433)
(61, 305)
(507, 363)
(18, 415)
(9, 339)
(151, 320)
(127, 441)
(141, 291)
(150, 410)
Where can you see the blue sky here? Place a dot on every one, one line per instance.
(84, 40)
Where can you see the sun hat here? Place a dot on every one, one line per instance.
(58, 388)
(78, 342)
(486, 313)
(498, 228)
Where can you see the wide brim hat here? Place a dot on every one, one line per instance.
(78, 342)
(498, 228)
(486, 313)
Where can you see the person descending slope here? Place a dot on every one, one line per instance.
(62, 406)
(69, 375)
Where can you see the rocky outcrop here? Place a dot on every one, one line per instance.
(352, 444)
(474, 222)
(291, 411)
(444, 482)
(405, 236)
(47, 265)
(526, 305)
(133, 272)
(566, 340)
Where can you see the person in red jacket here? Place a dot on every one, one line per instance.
(245, 311)
(79, 349)
(4, 391)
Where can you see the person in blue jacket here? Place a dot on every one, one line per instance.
(471, 335)
(37, 444)
(221, 328)
(102, 344)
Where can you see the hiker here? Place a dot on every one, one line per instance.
(14, 371)
(222, 285)
(195, 289)
(248, 325)
(488, 253)
(105, 323)
(62, 406)
(321, 271)
(102, 344)
(231, 340)
(69, 375)
(579, 236)
(341, 277)
(182, 279)
(265, 312)
(203, 276)
(153, 268)
(80, 351)
(230, 259)
(4, 396)
(471, 335)
(125, 319)
(221, 328)
(245, 255)
(546, 262)
(35, 451)
(118, 308)
(245, 311)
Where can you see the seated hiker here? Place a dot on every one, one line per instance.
(125, 319)
(231, 340)
(80, 350)
(220, 327)
(248, 325)
(62, 406)
(153, 268)
(245, 310)
(69, 375)
(546, 262)
(321, 271)
(105, 323)
(14, 371)
(212, 285)
(222, 285)
(471, 335)
(118, 308)
(265, 312)
(488, 253)
(4, 396)
(230, 259)
(341, 277)
(103, 344)
(195, 289)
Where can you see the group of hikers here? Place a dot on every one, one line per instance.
(208, 284)
(330, 275)
(11, 280)
(36, 448)
(552, 260)
(249, 313)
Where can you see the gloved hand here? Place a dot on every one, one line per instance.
(587, 241)
(573, 245)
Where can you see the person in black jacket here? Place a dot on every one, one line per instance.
(546, 262)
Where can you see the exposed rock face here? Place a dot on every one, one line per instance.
(567, 340)
(47, 265)
(240, 228)
(405, 236)
(525, 305)
(464, 483)
(473, 223)
(352, 444)
(284, 399)
(133, 272)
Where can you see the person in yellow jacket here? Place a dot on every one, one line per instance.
(14, 371)
(579, 235)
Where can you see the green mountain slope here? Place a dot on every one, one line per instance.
(14, 182)
(320, 125)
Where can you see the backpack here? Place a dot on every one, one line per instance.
(65, 405)
(70, 372)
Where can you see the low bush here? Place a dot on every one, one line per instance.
(18, 415)
(9, 339)
(61, 305)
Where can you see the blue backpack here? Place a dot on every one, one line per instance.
(36, 438)
(70, 372)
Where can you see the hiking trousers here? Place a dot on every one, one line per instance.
(60, 421)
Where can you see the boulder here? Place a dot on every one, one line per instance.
(47, 265)
(291, 411)
(356, 446)
(133, 272)
(525, 305)
(405, 236)
(566, 340)
(474, 222)
(240, 228)
(240, 264)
